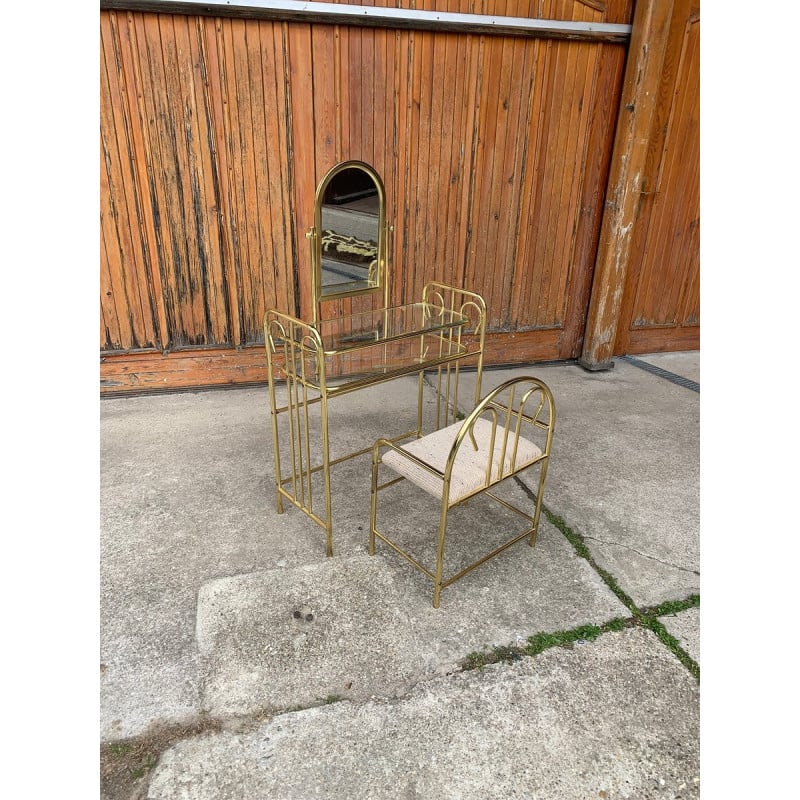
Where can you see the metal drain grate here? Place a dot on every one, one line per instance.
(662, 373)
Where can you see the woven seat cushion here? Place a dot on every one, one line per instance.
(469, 469)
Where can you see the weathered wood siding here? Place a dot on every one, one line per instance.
(195, 219)
(661, 307)
(215, 132)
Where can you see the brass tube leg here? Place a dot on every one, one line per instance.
(275, 443)
(373, 508)
(326, 474)
(537, 512)
(275, 446)
(420, 386)
(437, 584)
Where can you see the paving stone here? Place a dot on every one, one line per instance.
(614, 718)
(372, 630)
(685, 627)
(625, 473)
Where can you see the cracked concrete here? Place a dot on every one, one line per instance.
(625, 472)
(461, 736)
(685, 627)
(374, 632)
(201, 578)
(639, 553)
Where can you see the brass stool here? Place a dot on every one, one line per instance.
(471, 457)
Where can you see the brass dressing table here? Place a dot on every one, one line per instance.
(322, 359)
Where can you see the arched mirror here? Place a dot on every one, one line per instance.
(348, 240)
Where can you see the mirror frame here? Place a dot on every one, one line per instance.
(315, 237)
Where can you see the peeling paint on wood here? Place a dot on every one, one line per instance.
(495, 154)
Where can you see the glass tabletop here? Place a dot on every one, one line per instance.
(384, 325)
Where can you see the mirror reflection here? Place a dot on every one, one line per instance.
(349, 230)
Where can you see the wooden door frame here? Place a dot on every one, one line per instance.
(679, 333)
(643, 71)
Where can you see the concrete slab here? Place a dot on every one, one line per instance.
(191, 542)
(685, 627)
(183, 499)
(625, 473)
(615, 718)
(372, 630)
(187, 496)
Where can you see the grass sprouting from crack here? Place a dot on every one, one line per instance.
(585, 633)
(577, 542)
(120, 749)
(540, 642)
(147, 764)
(672, 644)
(124, 764)
(644, 617)
(673, 606)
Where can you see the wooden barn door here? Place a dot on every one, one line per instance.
(661, 304)
(215, 132)
(494, 152)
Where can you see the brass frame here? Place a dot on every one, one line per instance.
(516, 419)
(314, 236)
(296, 351)
(473, 307)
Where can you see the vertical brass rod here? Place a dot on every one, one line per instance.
(437, 585)
(308, 448)
(299, 433)
(316, 272)
(290, 380)
(439, 387)
(326, 454)
(456, 372)
(538, 509)
(447, 396)
(373, 500)
(506, 426)
(491, 447)
(420, 386)
(274, 416)
(438, 397)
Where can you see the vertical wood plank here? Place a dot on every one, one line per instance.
(120, 210)
(212, 39)
(401, 142)
(111, 337)
(302, 157)
(141, 160)
(276, 149)
(599, 140)
(531, 134)
(204, 180)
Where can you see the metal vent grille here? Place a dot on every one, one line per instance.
(662, 373)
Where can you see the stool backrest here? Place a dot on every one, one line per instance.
(520, 412)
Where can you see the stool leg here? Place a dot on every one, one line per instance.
(437, 584)
(373, 507)
(538, 511)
